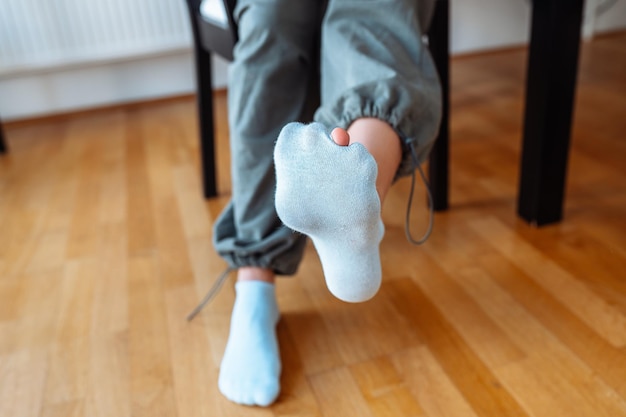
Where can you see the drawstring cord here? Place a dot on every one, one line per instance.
(212, 292)
(431, 206)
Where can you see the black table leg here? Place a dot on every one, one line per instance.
(550, 93)
(439, 156)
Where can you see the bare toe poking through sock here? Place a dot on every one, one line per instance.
(340, 136)
(328, 192)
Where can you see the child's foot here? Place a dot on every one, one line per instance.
(327, 191)
(250, 370)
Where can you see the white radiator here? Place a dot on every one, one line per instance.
(48, 34)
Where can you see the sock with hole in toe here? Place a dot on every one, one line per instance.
(328, 192)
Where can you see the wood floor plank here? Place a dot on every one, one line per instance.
(69, 371)
(544, 352)
(170, 238)
(113, 193)
(379, 327)
(543, 386)
(338, 394)
(111, 301)
(141, 233)
(151, 383)
(366, 331)
(460, 363)
(194, 372)
(108, 390)
(22, 381)
(484, 274)
(385, 391)
(10, 292)
(317, 349)
(296, 397)
(608, 266)
(480, 331)
(608, 362)
(604, 318)
(84, 228)
(39, 308)
(193, 213)
(436, 393)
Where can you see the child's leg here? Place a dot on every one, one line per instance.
(268, 87)
(268, 82)
(374, 66)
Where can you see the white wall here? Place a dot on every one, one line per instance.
(86, 86)
(475, 25)
(611, 20)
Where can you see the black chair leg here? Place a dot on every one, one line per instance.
(439, 156)
(205, 106)
(207, 127)
(3, 145)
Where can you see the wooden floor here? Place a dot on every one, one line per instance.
(105, 246)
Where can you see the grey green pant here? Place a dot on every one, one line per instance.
(371, 63)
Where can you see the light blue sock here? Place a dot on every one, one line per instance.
(328, 192)
(250, 370)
